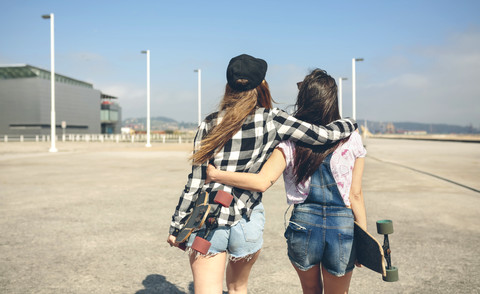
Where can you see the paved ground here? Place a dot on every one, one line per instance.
(93, 218)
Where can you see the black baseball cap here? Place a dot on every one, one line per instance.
(246, 67)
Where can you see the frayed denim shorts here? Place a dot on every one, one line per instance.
(319, 234)
(240, 240)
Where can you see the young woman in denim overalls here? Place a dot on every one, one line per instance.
(324, 185)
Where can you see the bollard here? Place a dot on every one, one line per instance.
(21, 138)
(36, 138)
(163, 138)
(5, 138)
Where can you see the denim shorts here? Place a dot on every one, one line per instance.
(319, 234)
(240, 240)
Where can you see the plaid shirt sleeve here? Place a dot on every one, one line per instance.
(290, 128)
(195, 182)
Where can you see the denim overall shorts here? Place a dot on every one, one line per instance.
(321, 228)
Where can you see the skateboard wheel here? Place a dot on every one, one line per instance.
(223, 198)
(201, 245)
(385, 227)
(392, 274)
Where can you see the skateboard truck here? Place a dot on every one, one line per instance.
(385, 227)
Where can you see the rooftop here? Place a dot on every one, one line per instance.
(20, 71)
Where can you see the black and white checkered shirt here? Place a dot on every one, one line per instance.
(246, 151)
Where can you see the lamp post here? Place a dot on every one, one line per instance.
(354, 102)
(52, 83)
(199, 95)
(340, 95)
(148, 97)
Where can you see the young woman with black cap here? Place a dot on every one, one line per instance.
(324, 184)
(240, 137)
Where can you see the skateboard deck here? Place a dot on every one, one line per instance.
(200, 215)
(369, 251)
(196, 219)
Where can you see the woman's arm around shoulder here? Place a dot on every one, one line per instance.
(291, 128)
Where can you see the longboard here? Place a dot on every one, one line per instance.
(198, 217)
(372, 254)
(369, 250)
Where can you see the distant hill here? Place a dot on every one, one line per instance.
(166, 123)
(382, 127)
(158, 123)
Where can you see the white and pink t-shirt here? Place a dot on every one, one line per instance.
(341, 164)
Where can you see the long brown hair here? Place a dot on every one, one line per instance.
(236, 106)
(317, 103)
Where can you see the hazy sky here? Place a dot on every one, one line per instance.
(422, 58)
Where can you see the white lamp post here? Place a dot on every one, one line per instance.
(354, 102)
(148, 97)
(52, 83)
(340, 95)
(199, 95)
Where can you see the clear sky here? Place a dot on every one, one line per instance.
(422, 58)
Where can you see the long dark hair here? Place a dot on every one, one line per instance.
(317, 103)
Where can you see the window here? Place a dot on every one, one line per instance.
(108, 115)
(113, 115)
(104, 115)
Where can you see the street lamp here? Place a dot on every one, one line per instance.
(148, 97)
(354, 105)
(340, 98)
(52, 83)
(199, 95)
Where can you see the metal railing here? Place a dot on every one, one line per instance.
(117, 138)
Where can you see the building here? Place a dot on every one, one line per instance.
(110, 115)
(25, 104)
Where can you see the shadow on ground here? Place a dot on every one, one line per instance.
(158, 284)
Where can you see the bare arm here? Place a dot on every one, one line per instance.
(268, 175)
(356, 194)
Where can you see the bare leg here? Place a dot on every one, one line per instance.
(237, 274)
(311, 280)
(208, 273)
(336, 285)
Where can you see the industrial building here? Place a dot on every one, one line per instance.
(25, 104)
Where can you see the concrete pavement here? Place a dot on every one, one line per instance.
(93, 218)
